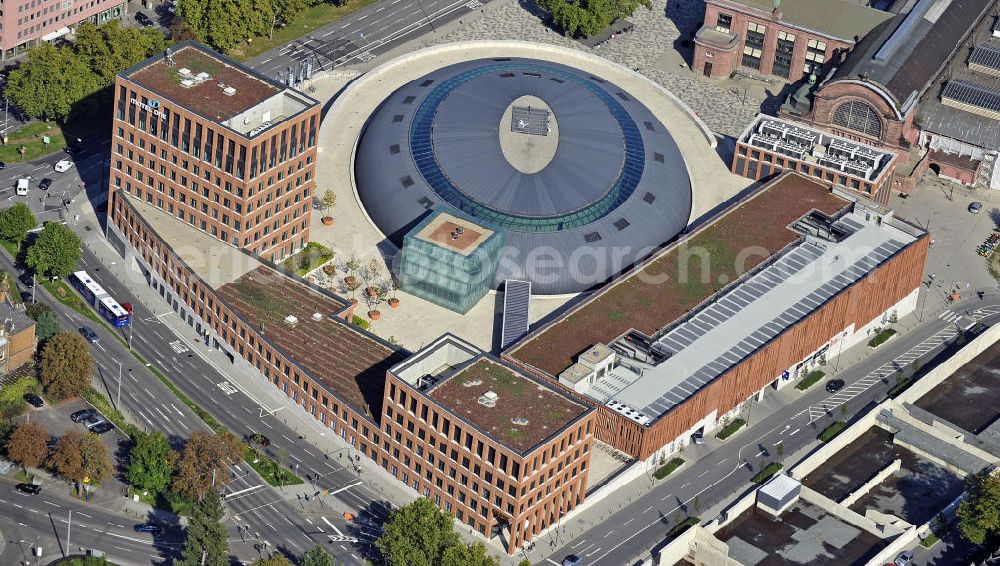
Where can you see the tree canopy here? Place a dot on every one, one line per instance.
(204, 454)
(207, 542)
(46, 326)
(53, 81)
(276, 560)
(55, 252)
(224, 24)
(317, 556)
(66, 366)
(15, 222)
(150, 462)
(28, 445)
(979, 512)
(78, 456)
(421, 534)
(589, 16)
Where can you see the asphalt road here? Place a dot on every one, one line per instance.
(640, 525)
(43, 520)
(363, 34)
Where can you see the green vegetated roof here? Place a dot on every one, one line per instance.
(683, 275)
(518, 397)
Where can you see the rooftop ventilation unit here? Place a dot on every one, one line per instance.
(488, 399)
(187, 83)
(519, 421)
(184, 72)
(472, 382)
(317, 316)
(203, 76)
(292, 319)
(229, 91)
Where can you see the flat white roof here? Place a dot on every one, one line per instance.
(723, 333)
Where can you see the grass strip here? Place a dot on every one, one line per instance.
(881, 337)
(901, 385)
(809, 380)
(310, 20)
(768, 472)
(668, 468)
(830, 432)
(730, 429)
(929, 540)
(679, 528)
(272, 472)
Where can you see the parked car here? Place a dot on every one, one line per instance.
(29, 488)
(975, 207)
(45, 183)
(834, 385)
(33, 400)
(89, 334)
(2, 165)
(904, 559)
(22, 186)
(102, 427)
(698, 437)
(91, 420)
(82, 414)
(148, 528)
(51, 444)
(572, 560)
(143, 20)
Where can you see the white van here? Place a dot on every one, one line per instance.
(63, 165)
(22, 187)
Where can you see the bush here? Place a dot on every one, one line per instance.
(12, 401)
(307, 259)
(768, 472)
(881, 337)
(178, 504)
(730, 429)
(831, 431)
(271, 471)
(668, 468)
(360, 322)
(809, 380)
(929, 541)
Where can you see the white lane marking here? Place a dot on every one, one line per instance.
(345, 488)
(331, 525)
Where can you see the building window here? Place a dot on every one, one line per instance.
(753, 45)
(858, 116)
(783, 54)
(815, 56)
(724, 23)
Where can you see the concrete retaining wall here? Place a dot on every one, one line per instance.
(943, 371)
(730, 513)
(696, 545)
(904, 541)
(848, 516)
(827, 450)
(868, 485)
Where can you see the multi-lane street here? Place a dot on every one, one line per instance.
(363, 34)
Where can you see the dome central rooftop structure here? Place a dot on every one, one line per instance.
(552, 158)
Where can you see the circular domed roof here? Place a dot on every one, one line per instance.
(565, 163)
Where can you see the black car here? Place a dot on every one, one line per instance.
(89, 334)
(82, 414)
(33, 400)
(143, 19)
(101, 427)
(2, 165)
(44, 184)
(29, 488)
(148, 528)
(834, 385)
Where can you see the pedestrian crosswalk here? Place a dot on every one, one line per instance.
(948, 316)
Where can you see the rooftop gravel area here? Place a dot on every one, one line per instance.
(518, 396)
(349, 362)
(206, 98)
(650, 298)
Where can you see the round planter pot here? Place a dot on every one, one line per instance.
(327, 220)
(372, 292)
(394, 303)
(350, 281)
(374, 315)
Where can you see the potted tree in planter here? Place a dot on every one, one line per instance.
(374, 302)
(372, 275)
(393, 287)
(328, 201)
(351, 265)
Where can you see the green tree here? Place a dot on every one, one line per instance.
(28, 445)
(276, 560)
(317, 556)
(66, 366)
(15, 223)
(417, 534)
(468, 555)
(207, 541)
(150, 462)
(283, 12)
(55, 252)
(46, 326)
(589, 16)
(50, 82)
(979, 513)
(108, 49)
(224, 24)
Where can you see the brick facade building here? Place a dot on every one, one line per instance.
(792, 41)
(219, 146)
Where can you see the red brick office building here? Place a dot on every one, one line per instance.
(792, 41)
(219, 146)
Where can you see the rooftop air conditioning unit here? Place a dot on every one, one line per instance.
(488, 399)
(317, 316)
(230, 91)
(187, 83)
(184, 72)
(292, 319)
(519, 421)
(203, 76)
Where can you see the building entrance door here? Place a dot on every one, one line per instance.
(708, 69)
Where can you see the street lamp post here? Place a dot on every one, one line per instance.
(69, 526)
(118, 401)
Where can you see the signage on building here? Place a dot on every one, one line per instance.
(153, 108)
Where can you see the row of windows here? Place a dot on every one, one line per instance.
(753, 48)
(762, 164)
